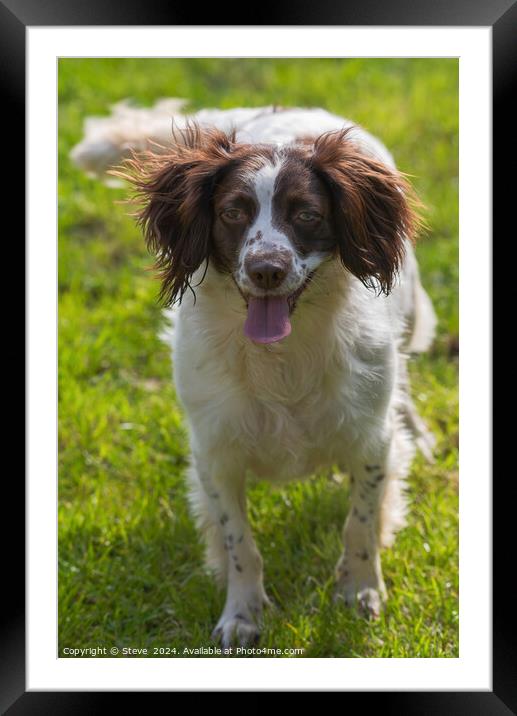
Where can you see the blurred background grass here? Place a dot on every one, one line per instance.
(130, 561)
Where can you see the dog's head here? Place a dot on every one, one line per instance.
(269, 216)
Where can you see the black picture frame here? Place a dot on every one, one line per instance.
(15, 17)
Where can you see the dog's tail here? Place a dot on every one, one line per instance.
(419, 327)
(109, 140)
(414, 307)
(424, 326)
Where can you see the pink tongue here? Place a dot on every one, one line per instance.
(268, 319)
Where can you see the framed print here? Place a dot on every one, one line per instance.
(117, 598)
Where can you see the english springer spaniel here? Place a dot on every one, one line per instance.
(284, 237)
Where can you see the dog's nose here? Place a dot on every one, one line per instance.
(267, 273)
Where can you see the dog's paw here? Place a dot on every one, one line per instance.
(236, 629)
(368, 600)
(363, 590)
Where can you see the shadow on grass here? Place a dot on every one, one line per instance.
(151, 590)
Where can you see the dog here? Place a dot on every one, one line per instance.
(284, 238)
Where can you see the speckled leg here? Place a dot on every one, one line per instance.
(358, 572)
(239, 622)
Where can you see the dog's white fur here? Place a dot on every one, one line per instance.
(335, 392)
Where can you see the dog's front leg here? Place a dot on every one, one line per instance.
(239, 622)
(358, 572)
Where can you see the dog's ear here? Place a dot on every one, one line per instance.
(374, 208)
(174, 189)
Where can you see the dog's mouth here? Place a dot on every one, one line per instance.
(268, 319)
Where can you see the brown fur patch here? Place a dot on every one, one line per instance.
(175, 190)
(375, 208)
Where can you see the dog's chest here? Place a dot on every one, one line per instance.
(283, 413)
(297, 412)
(286, 409)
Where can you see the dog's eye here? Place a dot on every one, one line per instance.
(233, 215)
(307, 216)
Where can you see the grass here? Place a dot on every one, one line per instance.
(130, 561)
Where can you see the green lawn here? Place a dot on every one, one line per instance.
(130, 561)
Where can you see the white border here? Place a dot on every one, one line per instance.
(472, 670)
